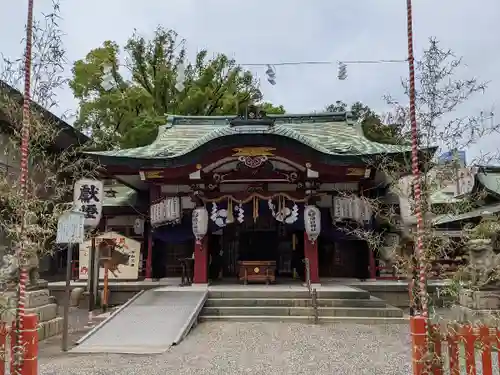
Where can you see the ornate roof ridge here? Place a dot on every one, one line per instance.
(347, 117)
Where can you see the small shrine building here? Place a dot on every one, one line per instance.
(272, 190)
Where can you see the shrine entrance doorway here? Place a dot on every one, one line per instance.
(262, 240)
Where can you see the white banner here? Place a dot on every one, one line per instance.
(121, 253)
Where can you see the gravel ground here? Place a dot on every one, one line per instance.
(259, 348)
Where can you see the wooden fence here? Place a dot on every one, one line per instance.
(454, 349)
(28, 353)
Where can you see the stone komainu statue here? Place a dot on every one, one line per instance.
(484, 261)
(9, 269)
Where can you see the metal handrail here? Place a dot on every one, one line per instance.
(312, 292)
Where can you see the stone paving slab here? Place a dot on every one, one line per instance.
(149, 325)
(260, 287)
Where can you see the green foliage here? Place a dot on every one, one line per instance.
(372, 125)
(270, 109)
(129, 114)
(28, 219)
(486, 229)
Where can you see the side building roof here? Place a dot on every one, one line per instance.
(68, 136)
(487, 179)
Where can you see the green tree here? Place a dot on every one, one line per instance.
(144, 89)
(373, 127)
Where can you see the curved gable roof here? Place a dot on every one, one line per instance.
(330, 134)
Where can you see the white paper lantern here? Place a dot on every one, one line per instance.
(312, 222)
(173, 209)
(139, 226)
(200, 223)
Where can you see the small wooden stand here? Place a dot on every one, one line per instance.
(105, 292)
(257, 271)
(187, 265)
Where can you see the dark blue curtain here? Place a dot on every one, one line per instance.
(174, 234)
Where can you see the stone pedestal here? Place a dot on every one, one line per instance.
(479, 306)
(38, 301)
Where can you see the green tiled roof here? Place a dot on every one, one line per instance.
(123, 196)
(327, 133)
(490, 181)
(442, 197)
(443, 219)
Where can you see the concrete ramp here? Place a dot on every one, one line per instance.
(149, 323)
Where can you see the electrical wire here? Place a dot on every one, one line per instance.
(328, 62)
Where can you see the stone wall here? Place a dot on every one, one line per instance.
(37, 302)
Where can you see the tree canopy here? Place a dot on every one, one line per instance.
(373, 127)
(129, 114)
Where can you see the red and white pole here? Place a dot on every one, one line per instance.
(419, 248)
(23, 180)
(418, 324)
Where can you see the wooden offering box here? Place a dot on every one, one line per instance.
(257, 271)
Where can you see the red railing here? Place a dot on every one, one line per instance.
(436, 348)
(28, 363)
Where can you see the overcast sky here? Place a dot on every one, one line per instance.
(264, 31)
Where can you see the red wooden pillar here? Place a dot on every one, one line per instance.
(372, 263)
(149, 255)
(154, 194)
(201, 262)
(311, 253)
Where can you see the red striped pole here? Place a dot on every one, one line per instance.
(416, 170)
(419, 331)
(23, 274)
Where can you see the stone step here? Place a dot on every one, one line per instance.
(33, 298)
(302, 311)
(345, 293)
(294, 302)
(45, 312)
(305, 319)
(50, 328)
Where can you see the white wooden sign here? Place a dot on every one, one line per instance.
(87, 198)
(168, 210)
(70, 228)
(391, 240)
(122, 252)
(466, 179)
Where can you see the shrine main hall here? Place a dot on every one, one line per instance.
(265, 198)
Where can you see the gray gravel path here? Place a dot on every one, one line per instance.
(259, 348)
